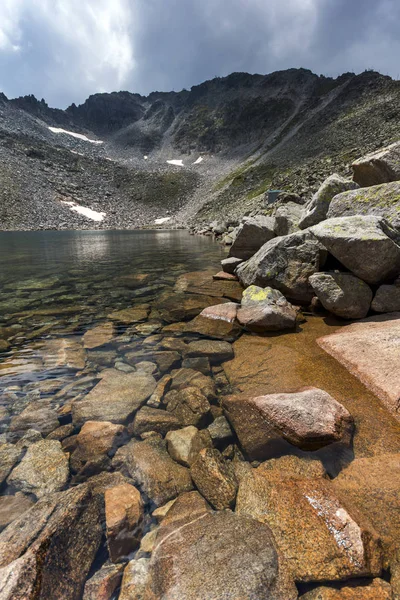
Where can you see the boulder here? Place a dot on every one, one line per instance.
(266, 310)
(386, 299)
(229, 264)
(185, 444)
(377, 589)
(379, 200)
(98, 336)
(215, 479)
(152, 468)
(134, 580)
(96, 439)
(221, 312)
(287, 218)
(370, 350)
(12, 507)
(124, 520)
(186, 507)
(44, 469)
(285, 263)
(309, 419)
(220, 555)
(103, 584)
(219, 329)
(128, 392)
(47, 553)
(378, 167)
(154, 419)
(291, 466)
(252, 233)
(316, 209)
(342, 294)
(190, 406)
(321, 537)
(9, 455)
(39, 416)
(216, 351)
(366, 245)
(220, 431)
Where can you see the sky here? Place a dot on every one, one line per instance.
(65, 50)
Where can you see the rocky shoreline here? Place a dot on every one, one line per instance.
(195, 449)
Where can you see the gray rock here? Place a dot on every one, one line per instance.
(185, 444)
(39, 416)
(266, 310)
(342, 294)
(216, 351)
(386, 299)
(285, 263)
(366, 245)
(229, 264)
(287, 218)
(43, 469)
(134, 580)
(379, 200)
(215, 478)
(220, 555)
(378, 167)
(9, 455)
(220, 430)
(316, 210)
(12, 507)
(253, 233)
(153, 419)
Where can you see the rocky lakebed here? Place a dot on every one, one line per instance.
(183, 419)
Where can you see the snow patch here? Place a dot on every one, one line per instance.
(162, 220)
(178, 163)
(78, 136)
(85, 211)
(145, 157)
(198, 161)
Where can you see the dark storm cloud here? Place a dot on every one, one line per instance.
(64, 50)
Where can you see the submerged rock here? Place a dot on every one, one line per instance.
(190, 406)
(39, 416)
(96, 439)
(115, 398)
(253, 233)
(285, 263)
(377, 589)
(214, 477)
(317, 209)
(220, 555)
(12, 507)
(47, 553)
(153, 419)
(103, 584)
(216, 351)
(321, 538)
(63, 352)
(43, 469)
(135, 314)
(185, 444)
(378, 167)
(366, 245)
(342, 294)
(98, 336)
(124, 520)
(266, 310)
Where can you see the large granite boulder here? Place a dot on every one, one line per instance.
(316, 209)
(253, 233)
(378, 167)
(366, 245)
(47, 553)
(115, 398)
(321, 537)
(342, 294)
(287, 218)
(44, 469)
(134, 580)
(285, 263)
(379, 200)
(214, 477)
(370, 350)
(386, 299)
(152, 468)
(218, 555)
(266, 310)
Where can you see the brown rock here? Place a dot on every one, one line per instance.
(184, 378)
(185, 444)
(136, 314)
(47, 553)
(358, 590)
(96, 439)
(370, 350)
(201, 282)
(162, 387)
(103, 584)
(124, 520)
(220, 555)
(222, 276)
(9, 455)
(134, 580)
(98, 336)
(186, 507)
(12, 507)
(183, 307)
(190, 406)
(378, 167)
(63, 352)
(151, 468)
(215, 478)
(292, 467)
(221, 312)
(38, 416)
(321, 537)
(128, 392)
(61, 432)
(154, 419)
(216, 351)
(214, 328)
(309, 419)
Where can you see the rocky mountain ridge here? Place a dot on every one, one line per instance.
(228, 140)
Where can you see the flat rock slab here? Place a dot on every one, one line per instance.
(115, 398)
(98, 336)
(370, 350)
(202, 282)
